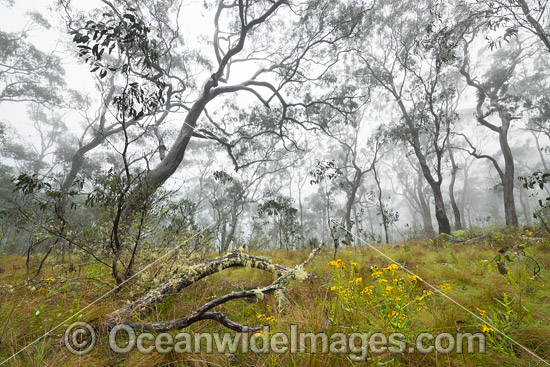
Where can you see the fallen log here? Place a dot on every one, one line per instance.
(193, 274)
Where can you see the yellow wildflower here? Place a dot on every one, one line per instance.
(486, 329)
(392, 267)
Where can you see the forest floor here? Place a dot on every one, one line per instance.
(357, 291)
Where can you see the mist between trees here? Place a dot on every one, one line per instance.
(275, 124)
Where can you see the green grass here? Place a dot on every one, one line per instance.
(518, 303)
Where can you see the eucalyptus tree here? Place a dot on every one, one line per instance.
(384, 211)
(531, 17)
(49, 126)
(28, 74)
(284, 52)
(398, 57)
(413, 186)
(355, 158)
(326, 174)
(231, 195)
(496, 97)
(534, 89)
(285, 225)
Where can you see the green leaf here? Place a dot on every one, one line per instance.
(502, 267)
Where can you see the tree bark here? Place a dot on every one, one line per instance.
(443, 223)
(381, 205)
(157, 176)
(454, 205)
(355, 183)
(509, 178)
(426, 212)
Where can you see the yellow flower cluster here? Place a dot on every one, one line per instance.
(367, 290)
(486, 329)
(340, 290)
(414, 278)
(392, 267)
(445, 288)
(267, 318)
(336, 263)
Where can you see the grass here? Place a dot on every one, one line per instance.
(517, 303)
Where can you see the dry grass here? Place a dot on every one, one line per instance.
(474, 285)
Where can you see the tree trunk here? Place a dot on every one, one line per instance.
(351, 198)
(525, 207)
(164, 170)
(301, 209)
(465, 189)
(426, 212)
(456, 211)
(509, 178)
(234, 222)
(381, 205)
(440, 213)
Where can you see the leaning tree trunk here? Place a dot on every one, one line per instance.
(508, 179)
(157, 176)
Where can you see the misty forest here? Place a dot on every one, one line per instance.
(346, 166)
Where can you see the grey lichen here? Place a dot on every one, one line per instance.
(259, 294)
(300, 274)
